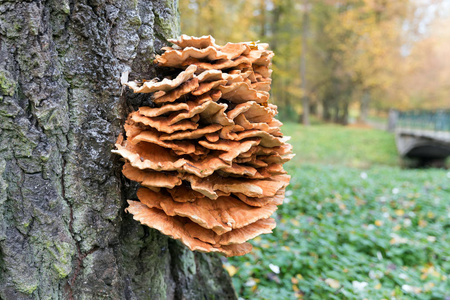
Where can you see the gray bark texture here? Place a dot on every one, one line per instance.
(63, 230)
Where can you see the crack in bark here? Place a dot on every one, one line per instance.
(71, 281)
(80, 255)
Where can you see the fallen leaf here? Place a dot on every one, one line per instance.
(295, 222)
(422, 223)
(333, 283)
(399, 212)
(232, 270)
(411, 289)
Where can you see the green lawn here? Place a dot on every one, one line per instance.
(373, 232)
(334, 144)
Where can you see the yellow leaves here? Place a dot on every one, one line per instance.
(422, 223)
(399, 212)
(428, 286)
(295, 288)
(252, 283)
(298, 292)
(360, 201)
(379, 223)
(296, 279)
(295, 222)
(429, 270)
(258, 240)
(232, 270)
(411, 289)
(333, 283)
(396, 239)
(378, 286)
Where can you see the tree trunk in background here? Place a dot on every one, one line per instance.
(63, 232)
(344, 113)
(364, 106)
(262, 21)
(305, 27)
(326, 111)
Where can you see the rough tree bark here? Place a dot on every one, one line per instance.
(63, 232)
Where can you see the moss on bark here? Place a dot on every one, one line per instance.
(63, 232)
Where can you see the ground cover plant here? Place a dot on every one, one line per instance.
(373, 232)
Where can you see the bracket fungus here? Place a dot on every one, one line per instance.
(209, 153)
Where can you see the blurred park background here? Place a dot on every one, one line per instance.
(355, 224)
(348, 60)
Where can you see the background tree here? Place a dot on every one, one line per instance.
(425, 81)
(63, 232)
(360, 54)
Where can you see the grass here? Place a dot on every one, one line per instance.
(350, 233)
(334, 144)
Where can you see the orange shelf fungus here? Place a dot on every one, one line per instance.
(209, 153)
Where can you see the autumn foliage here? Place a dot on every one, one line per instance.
(360, 56)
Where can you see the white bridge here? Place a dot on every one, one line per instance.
(422, 135)
(422, 144)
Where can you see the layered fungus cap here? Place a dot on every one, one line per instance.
(209, 152)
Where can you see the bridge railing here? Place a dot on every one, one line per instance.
(438, 120)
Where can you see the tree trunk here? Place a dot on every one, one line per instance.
(344, 113)
(364, 106)
(63, 232)
(305, 29)
(326, 104)
(262, 18)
